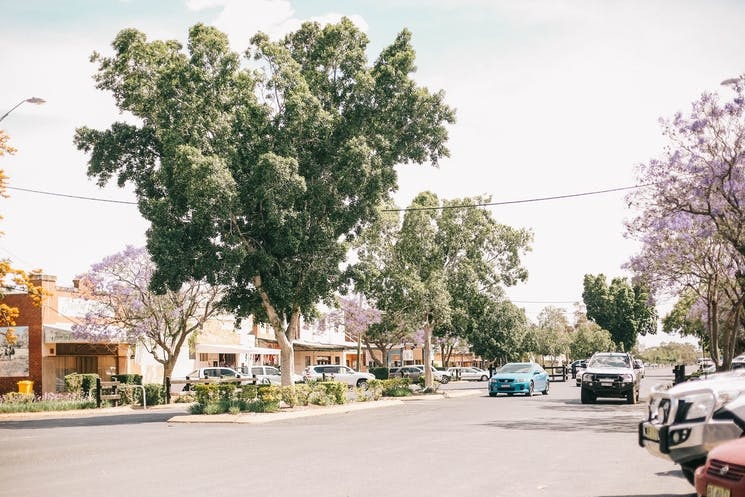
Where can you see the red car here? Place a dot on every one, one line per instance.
(723, 475)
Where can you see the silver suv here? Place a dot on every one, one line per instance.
(684, 422)
(331, 372)
(610, 374)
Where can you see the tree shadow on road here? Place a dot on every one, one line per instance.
(573, 416)
(90, 420)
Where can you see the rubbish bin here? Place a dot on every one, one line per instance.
(26, 386)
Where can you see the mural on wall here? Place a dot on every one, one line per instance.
(14, 351)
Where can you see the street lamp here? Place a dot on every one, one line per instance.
(32, 100)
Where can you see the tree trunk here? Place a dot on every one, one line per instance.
(287, 353)
(426, 352)
(168, 366)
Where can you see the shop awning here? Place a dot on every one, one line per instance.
(234, 349)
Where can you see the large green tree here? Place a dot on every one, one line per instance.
(622, 308)
(443, 255)
(587, 338)
(500, 334)
(256, 175)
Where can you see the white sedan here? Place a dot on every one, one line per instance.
(462, 373)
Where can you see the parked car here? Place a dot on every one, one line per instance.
(467, 373)
(723, 475)
(706, 366)
(271, 375)
(580, 369)
(416, 371)
(684, 422)
(519, 377)
(215, 372)
(738, 362)
(331, 372)
(575, 366)
(639, 367)
(610, 374)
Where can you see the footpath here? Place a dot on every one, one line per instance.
(181, 411)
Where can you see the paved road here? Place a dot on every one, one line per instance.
(472, 445)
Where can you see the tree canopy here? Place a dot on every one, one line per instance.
(624, 309)
(257, 175)
(692, 218)
(434, 267)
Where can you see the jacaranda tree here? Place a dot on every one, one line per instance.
(124, 308)
(699, 182)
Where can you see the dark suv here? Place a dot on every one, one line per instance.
(610, 374)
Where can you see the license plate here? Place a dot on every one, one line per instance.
(652, 433)
(606, 383)
(716, 491)
(504, 385)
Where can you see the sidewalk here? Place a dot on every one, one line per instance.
(307, 411)
(244, 417)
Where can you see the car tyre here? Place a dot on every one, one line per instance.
(529, 393)
(545, 390)
(492, 394)
(689, 469)
(484, 378)
(586, 396)
(633, 396)
(362, 384)
(444, 379)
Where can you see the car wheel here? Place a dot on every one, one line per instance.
(632, 397)
(362, 384)
(529, 393)
(492, 394)
(586, 396)
(265, 381)
(445, 379)
(484, 378)
(545, 390)
(689, 469)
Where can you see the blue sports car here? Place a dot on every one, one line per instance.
(519, 377)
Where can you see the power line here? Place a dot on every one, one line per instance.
(442, 207)
(78, 197)
(521, 201)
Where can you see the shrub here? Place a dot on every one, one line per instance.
(270, 396)
(380, 373)
(393, 387)
(20, 402)
(128, 379)
(302, 392)
(81, 383)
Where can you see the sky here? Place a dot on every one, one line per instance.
(553, 98)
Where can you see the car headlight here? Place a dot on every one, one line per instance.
(587, 377)
(627, 378)
(695, 407)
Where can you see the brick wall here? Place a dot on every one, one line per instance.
(30, 316)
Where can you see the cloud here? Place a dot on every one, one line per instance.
(240, 19)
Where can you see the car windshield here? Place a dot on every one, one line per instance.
(515, 368)
(609, 361)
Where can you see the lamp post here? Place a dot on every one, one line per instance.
(32, 100)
